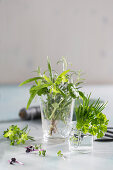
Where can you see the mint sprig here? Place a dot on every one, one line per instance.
(16, 135)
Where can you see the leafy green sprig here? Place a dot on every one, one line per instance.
(38, 146)
(90, 118)
(42, 152)
(16, 135)
(59, 153)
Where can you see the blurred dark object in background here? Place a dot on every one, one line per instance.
(32, 113)
(108, 137)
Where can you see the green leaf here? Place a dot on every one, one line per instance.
(61, 92)
(43, 152)
(81, 94)
(25, 128)
(30, 80)
(38, 71)
(78, 83)
(54, 90)
(47, 79)
(49, 68)
(37, 88)
(61, 76)
(71, 90)
(42, 91)
(39, 153)
(32, 95)
(59, 153)
(31, 138)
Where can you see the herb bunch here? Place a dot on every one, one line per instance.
(90, 118)
(54, 84)
(16, 135)
(59, 90)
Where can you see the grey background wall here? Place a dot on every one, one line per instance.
(81, 30)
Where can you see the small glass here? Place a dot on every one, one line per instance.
(78, 141)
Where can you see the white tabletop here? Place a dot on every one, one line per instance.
(101, 158)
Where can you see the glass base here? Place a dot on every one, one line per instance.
(82, 149)
(53, 140)
(57, 131)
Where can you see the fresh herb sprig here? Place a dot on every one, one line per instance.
(38, 148)
(59, 153)
(42, 152)
(16, 135)
(90, 118)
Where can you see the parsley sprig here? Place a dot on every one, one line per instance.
(16, 135)
(90, 118)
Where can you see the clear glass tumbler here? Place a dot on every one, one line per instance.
(78, 141)
(56, 115)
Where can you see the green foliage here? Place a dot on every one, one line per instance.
(42, 152)
(30, 80)
(59, 153)
(16, 135)
(49, 69)
(38, 146)
(89, 116)
(74, 139)
(59, 89)
(54, 85)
